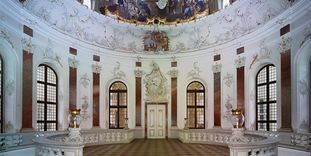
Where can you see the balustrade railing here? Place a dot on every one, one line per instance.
(240, 143)
(301, 140)
(255, 143)
(59, 145)
(10, 140)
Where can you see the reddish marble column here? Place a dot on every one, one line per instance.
(96, 93)
(217, 96)
(286, 91)
(27, 91)
(138, 101)
(240, 89)
(72, 88)
(174, 100)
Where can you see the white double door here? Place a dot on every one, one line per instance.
(156, 121)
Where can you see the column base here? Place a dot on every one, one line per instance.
(285, 130)
(27, 130)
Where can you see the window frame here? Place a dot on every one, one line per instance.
(268, 101)
(118, 107)
(45, 102)
(195, 105)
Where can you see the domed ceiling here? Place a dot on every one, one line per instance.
(73, 19)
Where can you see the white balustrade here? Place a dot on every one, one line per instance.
(60, 145)
(246, 144)
(10, 140)
(302, 140)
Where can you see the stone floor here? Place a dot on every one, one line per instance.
(156, 147)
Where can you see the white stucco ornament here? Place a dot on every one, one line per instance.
(228, 79)
(195, 72)
(85, 80)
(117, 72)
(156, 85)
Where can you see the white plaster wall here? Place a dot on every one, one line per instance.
(263, 43)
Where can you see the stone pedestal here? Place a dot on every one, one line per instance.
(238, 136)
(74, 136)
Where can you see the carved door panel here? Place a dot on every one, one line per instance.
(156, 121)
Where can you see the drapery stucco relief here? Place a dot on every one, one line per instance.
(156, 85)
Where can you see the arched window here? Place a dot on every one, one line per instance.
(1, 96)
(266, 95)
(46, 99)
(117, 105)
(196, 105)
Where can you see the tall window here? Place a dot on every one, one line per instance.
(196, 105)
(117, 105)
(1, 96)
(266, 106)
(46, 99)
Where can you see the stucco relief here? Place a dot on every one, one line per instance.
(228, 80)
(240, 62)
(50, 54)
(85, 80)
(10, 87)
(85, 105)
(195, 72)
(73, 62)
(303, 87)
(307, 35)
(286, 42)
(227, 115)
(173, 73)
(264, 53)
(138, 72)
(156, 85)
(4, 33)
(216, 67)
(117, 72)
(79, 22)
(96, 68)
(27, 44)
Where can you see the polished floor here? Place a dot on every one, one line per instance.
(156, 147)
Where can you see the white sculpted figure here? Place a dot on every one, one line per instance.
(156, 85)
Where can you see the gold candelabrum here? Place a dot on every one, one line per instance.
(74, 118)
(237, 118)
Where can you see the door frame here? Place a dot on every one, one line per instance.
(146, 118)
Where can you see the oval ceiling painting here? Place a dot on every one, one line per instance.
(157, 11)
